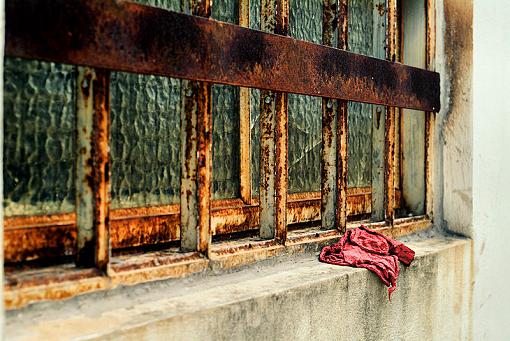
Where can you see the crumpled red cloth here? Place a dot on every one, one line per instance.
(364, 248)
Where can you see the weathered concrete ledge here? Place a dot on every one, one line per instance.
(287, 298)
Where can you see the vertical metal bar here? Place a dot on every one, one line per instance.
(430, 116)
(378, 120)
(244, 117)
(274, 138)
(281, 136)
(329, 190)
(342, 128)
(389, 187)
(267, 162)
(196, 157)
(92, 168)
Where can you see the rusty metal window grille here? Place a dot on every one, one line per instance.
(146, 142)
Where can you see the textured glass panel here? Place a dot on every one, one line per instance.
(225, 106)
(413, 121)
(145, 128)
(255, 110)
(361, 32)
(255, 139)
(144, 140)
(39, 121)
(225, 141)
(305, 112)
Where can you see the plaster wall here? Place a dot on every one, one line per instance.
(491, 170)
(453, 162)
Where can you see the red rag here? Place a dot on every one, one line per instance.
(364, 248)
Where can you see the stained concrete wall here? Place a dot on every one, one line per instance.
(473, 144)
(491, 170)
(453, 209)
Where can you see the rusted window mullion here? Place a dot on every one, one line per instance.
(329, 191)
(378, 120)
(196, 157)
(389, 150)
(273, 137)
(430, 116)
(244, 123)
(92, 168)
(342, 128)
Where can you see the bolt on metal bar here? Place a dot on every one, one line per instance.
(92, 168)
(274, 138)
(196, 159)
(244, 123)
(389, 149)
(329, 191)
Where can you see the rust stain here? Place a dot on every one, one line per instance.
(101, 155)
(281, 158)
(23, 244)
(329, 119)
(342, 165)
(204, 160)
(267, 164)
(36, 237)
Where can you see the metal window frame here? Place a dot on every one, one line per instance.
(135, 38)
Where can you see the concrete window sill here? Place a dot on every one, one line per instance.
(285, 298)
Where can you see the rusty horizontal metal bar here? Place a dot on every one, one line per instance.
(29, 243)
(135, 38)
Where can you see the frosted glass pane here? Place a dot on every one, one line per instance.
(413, 122)
(225, 141)
(39, 124)
(305, 112)
(225, 111)
(255, 111)
(145, 128)
(360, 40)
(144, 142)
